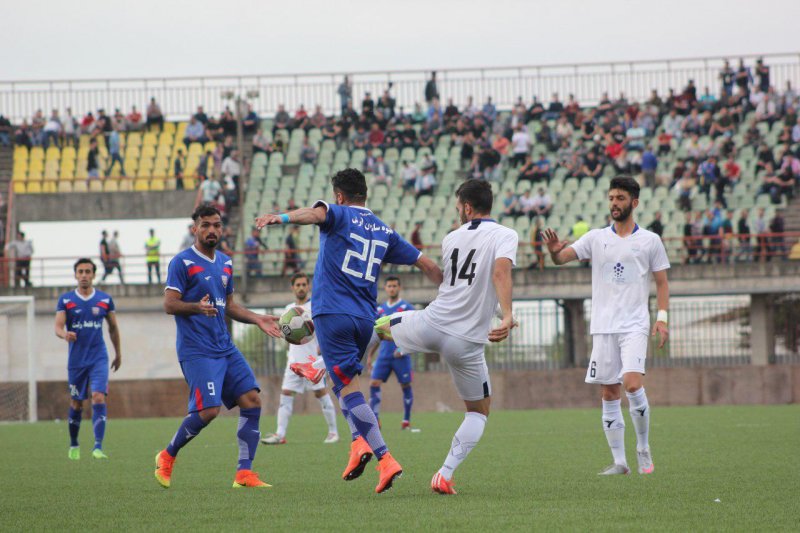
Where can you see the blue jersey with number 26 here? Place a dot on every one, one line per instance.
(353, 243)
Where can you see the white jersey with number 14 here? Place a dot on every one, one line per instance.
(467, 300)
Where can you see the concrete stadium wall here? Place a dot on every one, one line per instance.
(103, 205)
(434, 392)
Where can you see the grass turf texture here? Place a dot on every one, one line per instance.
(532, 470)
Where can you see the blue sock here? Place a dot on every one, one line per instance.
(99, 423)
(190, 427)
(346, 413)
(248, 436)
(375, 400)
(74, 422)
(364, 419)
(408, 401)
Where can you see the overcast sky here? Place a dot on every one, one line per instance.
(46, 39)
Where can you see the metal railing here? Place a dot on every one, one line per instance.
(179, 96)
(57, 271)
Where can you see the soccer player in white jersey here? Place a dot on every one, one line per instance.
(623, 255)
(477, 259)
(294, 384)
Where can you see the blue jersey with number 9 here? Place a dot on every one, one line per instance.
(353, 243)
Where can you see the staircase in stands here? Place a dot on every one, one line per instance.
(6, 163)
(791, 215)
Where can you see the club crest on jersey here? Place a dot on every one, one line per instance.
(96, 311)
(225, 281)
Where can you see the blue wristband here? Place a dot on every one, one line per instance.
(284, 218)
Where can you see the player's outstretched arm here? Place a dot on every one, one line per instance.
(113, 332)
(430, 269)
(560, 251)
(61, 328)
(266, 323)
(662, 300)
(501, 279)
(174, 305)
(302, 216)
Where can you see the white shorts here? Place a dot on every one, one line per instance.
(465, 359)
(295, 383)
(614, 355)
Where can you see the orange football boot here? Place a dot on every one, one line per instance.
(360, 455)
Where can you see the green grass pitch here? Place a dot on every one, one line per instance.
(533, 470)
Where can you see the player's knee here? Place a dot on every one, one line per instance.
(406, 385)
(610, 393)
(76, 404)
(98, 397)
(209, 414)
(375, 383)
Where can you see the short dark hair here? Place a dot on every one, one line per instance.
(627, 184)
(85, 260)
(393, 278)
(205, 210)
(478, 194)
(351, 183)
(298, 275)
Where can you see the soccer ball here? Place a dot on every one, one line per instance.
(296, 326)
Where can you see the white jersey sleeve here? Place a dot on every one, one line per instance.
(658, 257)
(583, 246)
(507, 244)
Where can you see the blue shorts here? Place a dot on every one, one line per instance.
(343, 340)
(217, 381)
(401, 366)
(93, 376)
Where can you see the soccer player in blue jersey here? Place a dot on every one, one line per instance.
(199, 294)
(79, 321)
(389, 357)
(353, 245)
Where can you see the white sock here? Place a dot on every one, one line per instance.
(329, 412)
(466, 438)
(284, 414)
(614, 427)
(640, 415)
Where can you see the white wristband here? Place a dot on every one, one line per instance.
(662, 316)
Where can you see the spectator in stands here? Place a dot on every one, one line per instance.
(656, 226)
(649, 166)
(775, 186)
(690, 242)
(511, 206)
(318, 119)
(104, 124)
(261, 144)
(790, 167)
(382, 174)
(726, 234)
(178, 166)
(231, 170)
(291, 258)
(368, 106)
(227, 122)
(195, 132)
(708, 102)
(537, 238)
(591, 167)
(205, 161)
(426, 182)
(762, 74)
(69, 129)
(409, 176)
(521, 143)
(555, 109)
(635, 137)
(711, 229)
(760, 228)
(22, 136)
(535, 111)
(252, 246)
(767, 110)
(51, 130)
(210, 190)
(188, 238)
(489, 111)
(154, 114)
(281, 120)
(301, 119)
(376, 136)
(345, 92)
(542, 204)
(37, 125)
(709, 175)
(726, 77)
(21, 251)
(501, 145)
(92, 161)
(308, 154)
(201, 116)
(526, 204)
(225, 241)
(152, 248)
(743, 77)
(731, 171)
(115, 153)
(673, 124)
(743, 230)
(5, 131)
(251, 121)
(392, 139)
(528, 170)
(579, 229)
(360, 139)
(416, 236)
(133, 121)
(777, 242)
(431, 91)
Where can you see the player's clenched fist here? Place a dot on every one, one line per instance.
(205, 307)
(71, 336)
(268, 220)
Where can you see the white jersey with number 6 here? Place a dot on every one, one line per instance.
(467, 300)
(298, 353)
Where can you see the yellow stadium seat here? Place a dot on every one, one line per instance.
(131, 166)
(34, 187)
(126, 184)
(150, 139)
(189, 183)
(170, 184)
(157, 185)
(49, 186)
(35, 174)
(210, 146)
(19, 175)
(19, 187)
(141, 184)
(165, 139)
(169, 127)
(51, 173)
(64, 186)
(36, 165)
(83, 142)
(134, 139)
(132, 152)
(37, 153)
(148, 152)
(67, 175)
(68, 152)
(53, 154)
(96, 186)
(20, 152)
(80, 186)
(111, 185)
